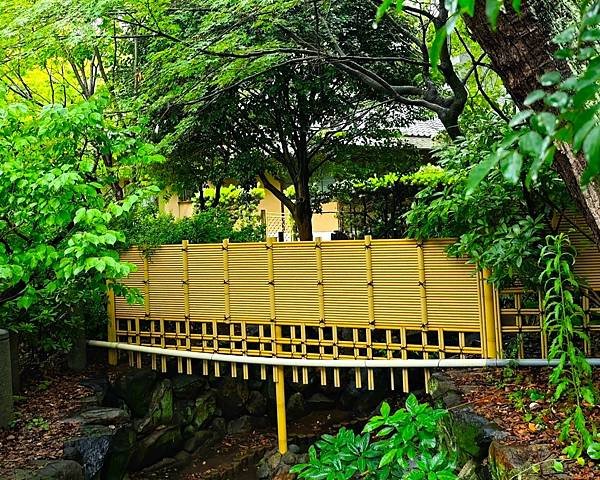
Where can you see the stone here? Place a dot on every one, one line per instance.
(233, 394)
(511, 461)
(101, 416)
(59, 470)
(471, 433)
(203, 438)
(256, 403)
(77, 356)
(444, 391)
(102, 450)
(160, 465)
(135, 387)
(160, 409)
(296, 407)
(284, 476)
(361, 401)
(187, 387)
(274, 465)
(293, 448)
(242, 424)
(319, 401)
(99, 386)
(182, 457)
(219, 425)
(289, 458)
(468, 471)
(162, 442)
(274, 460)
(205, 407)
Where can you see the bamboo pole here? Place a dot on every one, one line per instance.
(489, 317)
(279, 369)
(186, 301)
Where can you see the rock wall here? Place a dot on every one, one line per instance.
(146, 420)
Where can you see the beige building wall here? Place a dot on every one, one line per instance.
(327, 222)
(173, 206)
(270, 203)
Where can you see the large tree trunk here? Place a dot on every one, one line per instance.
(303, 208)
(521, 51)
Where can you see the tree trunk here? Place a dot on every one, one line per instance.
(521, 51)
(303, 208)
(303, 222)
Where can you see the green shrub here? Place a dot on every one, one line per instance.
(149, 230)
(400, 445)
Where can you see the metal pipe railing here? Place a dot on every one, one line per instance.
(342, 363)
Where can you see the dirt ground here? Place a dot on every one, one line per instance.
(519, 402)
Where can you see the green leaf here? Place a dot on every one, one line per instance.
(531, 143)
(467, 6)
(382, 9)
(534, 97)
(550, 78)
(593, 451)
(387, 458)
(591, 149)
(520, 117)
(510, 167)
(566, 36)
(436, 47)
(480, 171)
(558, 99)
(492, 9)
(547, 121)
(558, 466)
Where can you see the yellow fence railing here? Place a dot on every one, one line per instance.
(325, 305)
(371, 299)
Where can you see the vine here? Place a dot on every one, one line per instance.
(563, 324)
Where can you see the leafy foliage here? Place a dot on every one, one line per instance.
(500, 225)
(563, 322)
(148, 230)
(59, 205)
(402, 445)
(566, 110)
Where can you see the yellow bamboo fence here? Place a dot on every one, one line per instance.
(317, 307)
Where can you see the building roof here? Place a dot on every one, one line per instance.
(423, 128)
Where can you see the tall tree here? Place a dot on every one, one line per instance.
(287, 125)
(521, 50)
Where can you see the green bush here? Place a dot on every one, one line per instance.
(400, 445)
(149, 230)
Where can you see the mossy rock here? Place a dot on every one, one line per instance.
(508, 462)
(160, 410)
(119, 455)
(160, 443)
(135, 387)
(187, 387)
(104, 452)
(233, 396)
(470, 434)
(204, 410)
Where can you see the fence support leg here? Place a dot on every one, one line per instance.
(490, 316)
(6, 393)
(112, 326)
(281, 420)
